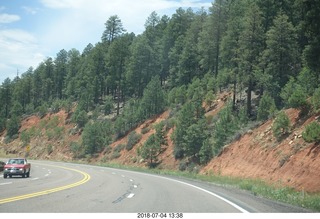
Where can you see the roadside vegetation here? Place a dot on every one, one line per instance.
(265, 54)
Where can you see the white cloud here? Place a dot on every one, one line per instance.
(59, 4)
(30, 10)
(72, 24)
(8, 18)
(83, 21)
(19, 50)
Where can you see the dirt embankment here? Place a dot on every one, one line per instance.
(256, 155)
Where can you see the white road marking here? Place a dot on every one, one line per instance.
(35, 178)
(131, 180)
(196, 187)
(135, 186)
(123, 176)
(130, 195)
(2, 184)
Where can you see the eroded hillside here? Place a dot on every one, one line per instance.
(257, 154)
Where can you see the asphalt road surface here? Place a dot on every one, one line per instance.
(55, 187)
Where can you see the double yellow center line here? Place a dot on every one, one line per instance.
(86, 178)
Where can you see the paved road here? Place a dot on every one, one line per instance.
(71, 188)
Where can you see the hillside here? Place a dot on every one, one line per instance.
(255, 155)
(258, 155)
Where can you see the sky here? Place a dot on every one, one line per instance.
(33, 30)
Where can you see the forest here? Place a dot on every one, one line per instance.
(264, 48)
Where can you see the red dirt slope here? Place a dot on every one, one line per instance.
(258, 155)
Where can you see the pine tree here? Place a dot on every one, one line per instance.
(153, 100)
(281, 54)
(251, 41)
(114, 29)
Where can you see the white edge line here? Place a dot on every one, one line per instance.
(218, 196)
(2, 184)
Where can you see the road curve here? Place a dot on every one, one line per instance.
(73, 188)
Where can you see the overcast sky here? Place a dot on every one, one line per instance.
(31, 31)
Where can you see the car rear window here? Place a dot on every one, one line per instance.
(16, 161)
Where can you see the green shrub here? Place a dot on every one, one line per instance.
(267, 107)
(29, 108)
(150, 150)
(96, 136)
(308, 79)
(16, 109)
(178, 152)
(170, 123)
(315, 100)
(205, 152)
(183, 165)
(224, 128)
(312, 132)
(25, 137)
(145, 130)
(119, 148)
(2, 123)
(281, 125)
(294, 95)
(298, 98)
(13, 126)
(42, 110)
(50, 134)
(133, 139)
(77, 149)
(192, 168)
(56, 105)
(108, 105)
(115, 155)
(67, 105)
(180, 95)
(210, 97)
(53, 122)
(80, 117)
(58, 132)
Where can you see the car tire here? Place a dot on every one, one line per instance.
(28, 173)
(5, 176)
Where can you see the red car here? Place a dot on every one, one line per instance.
(17, 166)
